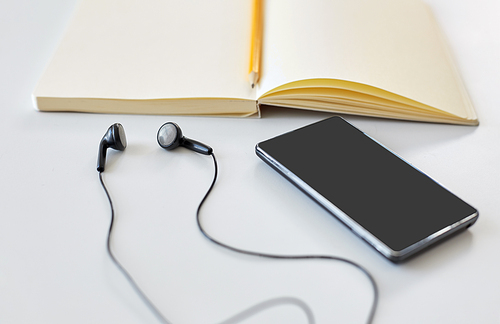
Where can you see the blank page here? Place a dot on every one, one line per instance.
(131, 49)
(393, 45)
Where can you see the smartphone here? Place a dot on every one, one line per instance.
(383, 199)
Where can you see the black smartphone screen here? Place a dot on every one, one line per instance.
(395, 207)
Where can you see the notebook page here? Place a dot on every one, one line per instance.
(131, 49)
(388, 44)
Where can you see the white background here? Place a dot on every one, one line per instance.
(54, 215)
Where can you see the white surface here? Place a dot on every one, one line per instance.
(54, 214)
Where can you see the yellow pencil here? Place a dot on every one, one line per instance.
(256, 45)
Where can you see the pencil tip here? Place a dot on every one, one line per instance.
(253, 78)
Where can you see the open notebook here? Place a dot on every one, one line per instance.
(383, 58)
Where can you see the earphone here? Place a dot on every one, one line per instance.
(114, 138)
(169, 137)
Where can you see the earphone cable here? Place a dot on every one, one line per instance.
(132, 282)
(232, 320)
(286, 257)
(254, 309)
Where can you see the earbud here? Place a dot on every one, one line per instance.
(115, 139)
(170, 137)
